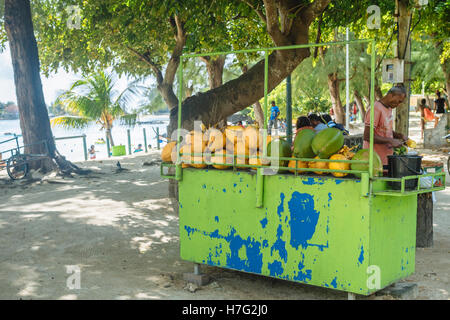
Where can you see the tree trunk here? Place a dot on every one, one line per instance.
(404, 52)
(333, 87)
(378, 92)
(359, 104)
(259, 114)
(109, 136)
(214, 67)
(257, 109)
(34, 120)
(446, 69)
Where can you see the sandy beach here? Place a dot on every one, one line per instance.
(120, 229)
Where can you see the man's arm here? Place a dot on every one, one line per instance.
(400, 136)
(395, 142)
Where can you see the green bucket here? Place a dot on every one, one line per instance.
(118, 151)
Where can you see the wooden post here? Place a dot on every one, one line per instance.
(85, 148)
(424, 229)
(129, 141)
(108, 147)
(157, 138)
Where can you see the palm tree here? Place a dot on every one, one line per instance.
(94, 99)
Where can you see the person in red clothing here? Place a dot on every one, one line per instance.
(385, 138)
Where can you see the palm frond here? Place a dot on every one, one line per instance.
(71, 122)
(129, 120)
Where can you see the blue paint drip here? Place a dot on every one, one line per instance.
(280, 245)
(224, 190)
(276, 268)
(253, 263)
(361, 256)
(264, 222)
(303, 219)
(303, 276)
(280, 208)
(216, 218)
(334, 282)
(339, 181)
(234, 185)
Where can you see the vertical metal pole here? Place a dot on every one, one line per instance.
(85, 148)
(129, 141)
(347, 83)
(259, 171)
(17, 143)
(289, 109)
(157, 138)
(178, 168)
(145, 139)
(108, 147)
(372, 112)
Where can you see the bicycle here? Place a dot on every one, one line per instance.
(17, 166)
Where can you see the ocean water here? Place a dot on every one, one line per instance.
(72, 149)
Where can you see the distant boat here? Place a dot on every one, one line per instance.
(100, 141)
(151, 122)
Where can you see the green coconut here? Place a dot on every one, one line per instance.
(302, 144)
(363, 154)
(327, 142)
(281, 149)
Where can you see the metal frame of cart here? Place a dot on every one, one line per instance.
(350, 234)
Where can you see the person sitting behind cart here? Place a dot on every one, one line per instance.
(331, 124)
(303, 123)
(385, 138)
(317, 122)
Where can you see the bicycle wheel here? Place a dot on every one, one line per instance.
(17, 167)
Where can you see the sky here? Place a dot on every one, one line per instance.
(51, 86)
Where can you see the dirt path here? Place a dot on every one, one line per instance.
(121, 231)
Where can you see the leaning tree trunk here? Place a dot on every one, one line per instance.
(34, 120)
(109, 135)
(333, 87)
(235, 95)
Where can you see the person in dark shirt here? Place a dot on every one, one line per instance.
(439, 104)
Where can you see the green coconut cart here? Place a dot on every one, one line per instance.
(353, 234)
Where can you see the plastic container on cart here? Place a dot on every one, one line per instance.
(403, 166)
(429, 166)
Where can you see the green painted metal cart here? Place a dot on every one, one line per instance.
(353, 234)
